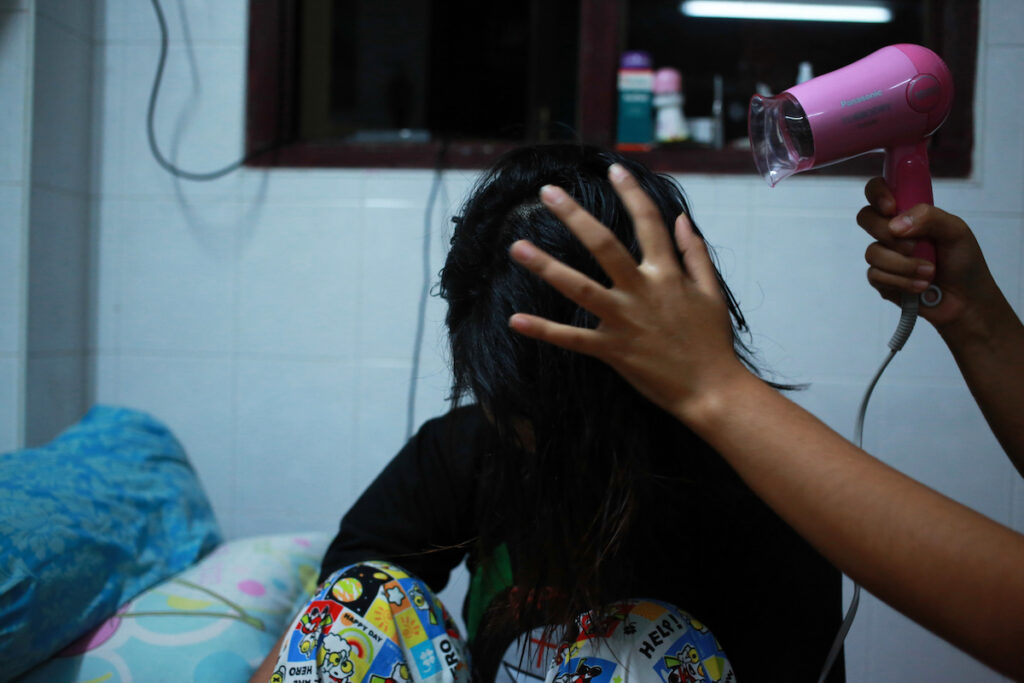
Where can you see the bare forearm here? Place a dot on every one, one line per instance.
(989, 349)
(266, 668)
(947, 567)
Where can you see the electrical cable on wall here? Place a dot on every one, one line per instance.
(151, 110)
(421, 314)
(219, 173)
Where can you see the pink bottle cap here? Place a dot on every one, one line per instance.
(667, 80)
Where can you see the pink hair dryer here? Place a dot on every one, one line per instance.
(893, 99)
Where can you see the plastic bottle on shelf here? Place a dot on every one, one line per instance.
(636, 92)
(670, 123)
(718, 113)
(804, 72)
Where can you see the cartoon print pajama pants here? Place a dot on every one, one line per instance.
(374, 623)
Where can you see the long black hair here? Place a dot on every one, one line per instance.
(575, 443)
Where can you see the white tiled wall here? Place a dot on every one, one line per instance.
(56, 384)
(11, 371)
(268, 317)
(62, 91)
(58, 301)
(15, 70)
(74, 16)
(16, 45)
(302, 299)
(12, 200)
(296, 289)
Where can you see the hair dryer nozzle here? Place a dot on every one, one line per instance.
(895, 97)
(780, 137)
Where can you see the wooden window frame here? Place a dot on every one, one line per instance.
(272, 78)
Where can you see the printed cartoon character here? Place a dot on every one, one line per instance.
(420, 602)
(399, 674)
(312, 623)
(594, 625)
(696, 625)
(278, 676)
(582, 674)
(685, 667)
(334, 659)
(699, 626)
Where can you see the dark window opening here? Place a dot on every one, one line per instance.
(399, 82)
(407, 70)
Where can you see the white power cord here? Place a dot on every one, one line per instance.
(908, 317)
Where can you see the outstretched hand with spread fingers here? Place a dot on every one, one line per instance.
(663, 326)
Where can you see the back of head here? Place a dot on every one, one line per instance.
(575, 441)
(483, 287)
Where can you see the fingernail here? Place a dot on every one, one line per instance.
(552, 194)
(521, 251)
(926, 270)
(617, 173)
(519, 323)
(901, 224)
(920, 285)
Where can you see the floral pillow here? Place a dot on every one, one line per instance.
(213, 623)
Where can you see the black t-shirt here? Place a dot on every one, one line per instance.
(771, 600)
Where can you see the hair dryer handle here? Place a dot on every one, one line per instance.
(908, 177)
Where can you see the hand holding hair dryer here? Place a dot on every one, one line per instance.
(893, 99)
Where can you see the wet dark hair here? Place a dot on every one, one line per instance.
(575, 443)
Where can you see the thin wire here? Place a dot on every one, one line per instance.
(851, 612)
(908, 317)
(151, 111)
(844, 629)
(859, 429)
(421, 314)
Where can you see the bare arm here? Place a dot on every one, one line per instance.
(974, 319)
(954, 571)
(266, 669)
(990, 353)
